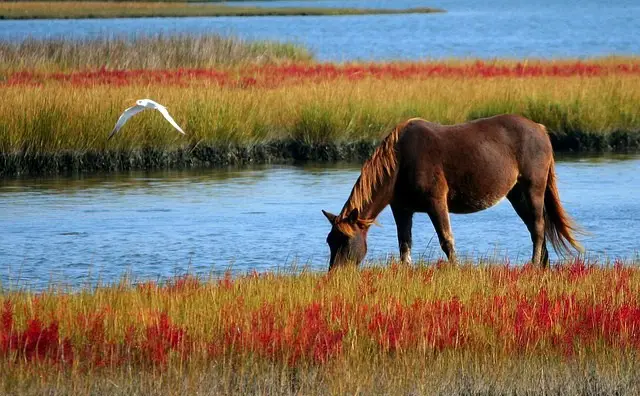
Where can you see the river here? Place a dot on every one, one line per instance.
(73, 229)
(501, 28)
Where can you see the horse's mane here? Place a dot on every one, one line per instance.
(382, 163)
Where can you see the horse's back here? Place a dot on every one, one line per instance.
(505, 135)
(526, 141)
(476, 162)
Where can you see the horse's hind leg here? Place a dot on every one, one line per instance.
(439, 215)
(404, 221)
(528, 201)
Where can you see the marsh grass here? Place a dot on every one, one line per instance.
(56, 117)
(246, 113)
(426, 329)
(144, 52)
(442, 376)
(109, 9)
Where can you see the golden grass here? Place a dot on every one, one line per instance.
(107, 9)
(483, 355)
(59, 116)
(53, 122)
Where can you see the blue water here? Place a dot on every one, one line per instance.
(501, 28)
(73, 229)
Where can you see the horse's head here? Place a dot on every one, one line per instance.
(347, 238)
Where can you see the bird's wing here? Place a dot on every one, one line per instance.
(124, 117)
(166, 115)
(151, 102)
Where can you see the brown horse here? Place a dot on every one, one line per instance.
(464, 168)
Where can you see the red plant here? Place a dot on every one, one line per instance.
(511, 319)
(36, 343)
(577, 269)
(162, 337)
(276, 75)
(183, 283)
(311, 336)
(424, 324)
(226, 282)
(304, 334)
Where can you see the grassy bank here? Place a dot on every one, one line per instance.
(255, 102)
(428, 329)
(52, 123)
(108, 9)
(143, 52)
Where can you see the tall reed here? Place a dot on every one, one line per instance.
(60, 116)
(150, 52)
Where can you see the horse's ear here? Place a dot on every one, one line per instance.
(353, 216)
(330, 216)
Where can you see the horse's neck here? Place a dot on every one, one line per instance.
(374, 188)
(378, 199)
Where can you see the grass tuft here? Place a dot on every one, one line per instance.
(156, 52)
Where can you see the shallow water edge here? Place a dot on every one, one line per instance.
(277, 152)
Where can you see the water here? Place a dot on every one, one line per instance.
(70, 229)
(502, 28)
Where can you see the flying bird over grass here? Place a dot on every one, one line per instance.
(141, 105)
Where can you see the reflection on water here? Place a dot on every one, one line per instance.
(124, 180)
(157, 224)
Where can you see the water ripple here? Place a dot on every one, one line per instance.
(60, 234)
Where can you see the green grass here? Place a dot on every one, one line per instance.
(105, 9)
(145, 52)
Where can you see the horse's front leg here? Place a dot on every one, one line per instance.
(404, 221)
(439, 215)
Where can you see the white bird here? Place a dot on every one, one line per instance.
(141, 105)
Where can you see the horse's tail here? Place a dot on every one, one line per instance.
(559, 227)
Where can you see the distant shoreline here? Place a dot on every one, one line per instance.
(106, 9)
